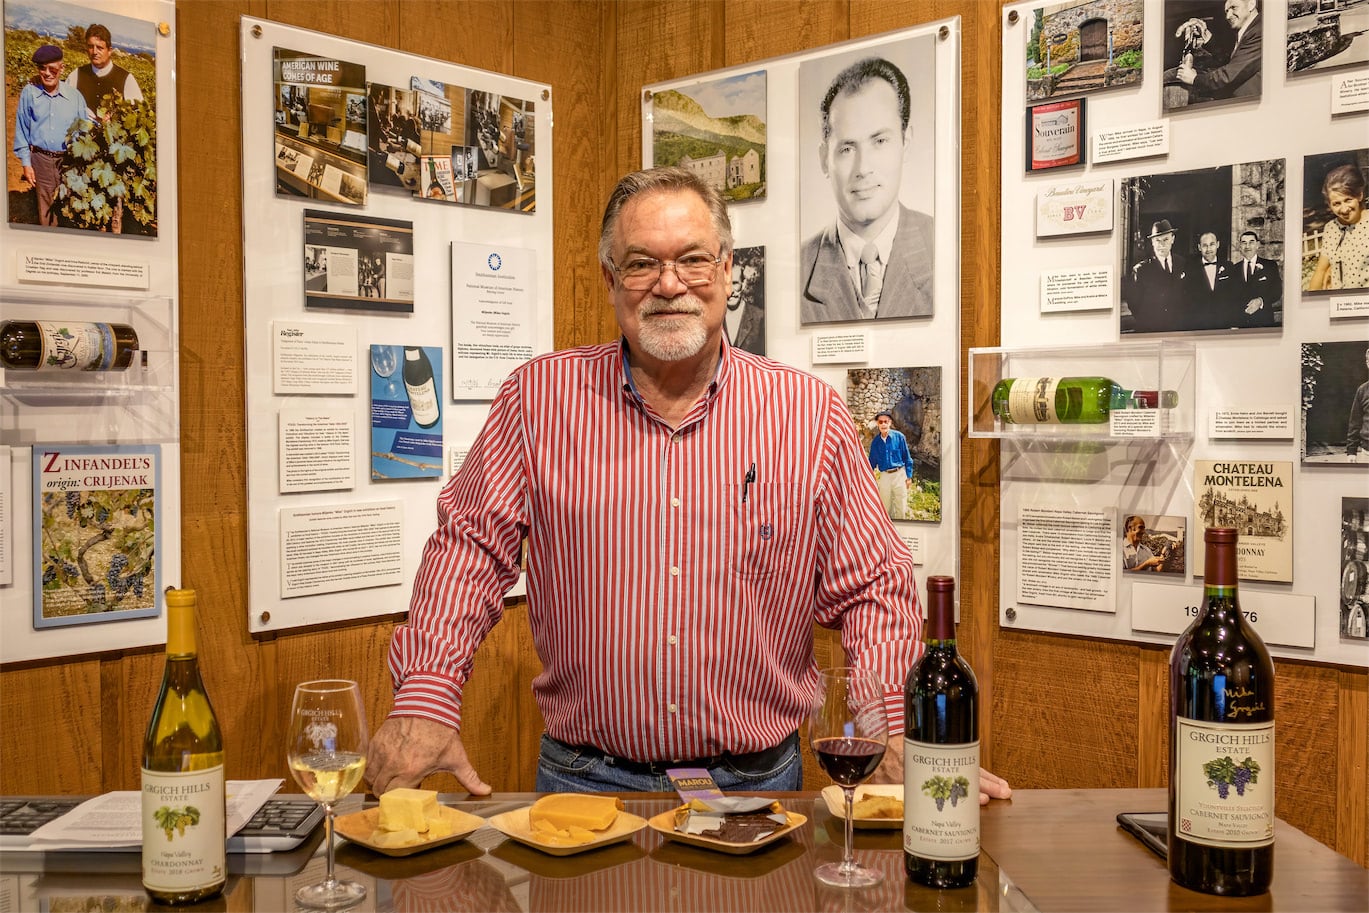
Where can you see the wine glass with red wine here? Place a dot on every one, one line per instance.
(848, 730)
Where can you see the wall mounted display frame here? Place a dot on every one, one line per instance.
(297, 576)
(84, 270)
(1247, 385)
(927, 342)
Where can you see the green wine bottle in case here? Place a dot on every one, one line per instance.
(1070, 400)
(183, 795)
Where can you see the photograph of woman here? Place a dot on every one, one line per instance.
(1335, 231)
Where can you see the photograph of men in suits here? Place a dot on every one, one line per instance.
(1211, 289)
(873, 257)
(1212, 66)
(1154, 289)
(744, 319)
(1260, 285)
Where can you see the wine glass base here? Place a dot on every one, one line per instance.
(835, 874)
(333, 896)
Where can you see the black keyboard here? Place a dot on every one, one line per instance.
(282, 823)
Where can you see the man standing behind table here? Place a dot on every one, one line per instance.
(876, 259)
(1211, 289)
(1154, 291)
(678, 551)
(1239, 76)
(1261, 284)
(893, 466)
(102, 76)
(46, 110)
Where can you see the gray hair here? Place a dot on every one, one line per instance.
(663, 180)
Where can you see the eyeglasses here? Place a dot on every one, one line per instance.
(641, 273)
(51, 67)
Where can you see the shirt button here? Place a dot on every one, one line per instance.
(672, 640)
(674, 572)
(674, 502)
(673, 708)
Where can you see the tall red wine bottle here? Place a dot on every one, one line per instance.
(941, 754)
(1221, 734)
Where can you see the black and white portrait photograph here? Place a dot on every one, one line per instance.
(867, 173)
(1335, 402)
(1327, 33)
(897, 412)
(1354, 567)
(744, 319)
(1335, 230)
(81, 118)
(1079, 48)
(1212, 52)
(1203, 249)
(715, 128)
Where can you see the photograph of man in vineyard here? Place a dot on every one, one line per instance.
(106, 167)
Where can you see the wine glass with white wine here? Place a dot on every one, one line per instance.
(326, 748)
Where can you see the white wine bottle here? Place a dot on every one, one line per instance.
(183, 797)
(421, 387)
(1070, 400)
(48, 345)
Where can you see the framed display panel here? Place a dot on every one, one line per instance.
(1158, 168)
(907, 364)
(99, 263)
(345, 304)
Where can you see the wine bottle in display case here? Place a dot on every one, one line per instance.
(1221, 734)
(49, 345)
(421, 387)
(1070, 400)
(183, 796)
(941, 754)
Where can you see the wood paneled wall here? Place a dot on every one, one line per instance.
(1059, 711)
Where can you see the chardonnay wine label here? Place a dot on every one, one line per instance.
(183, 830)
(1224, 783)
(941, 801)
(421, 386)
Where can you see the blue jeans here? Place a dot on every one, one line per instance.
(564, 768)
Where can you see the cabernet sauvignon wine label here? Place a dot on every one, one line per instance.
(183, 829)
(941, 800)
(1031, 400)
(76, 346)
(1224, 783)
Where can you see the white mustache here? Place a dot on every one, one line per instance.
(671, 306)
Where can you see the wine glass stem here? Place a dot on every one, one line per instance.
(330, 881)
(848, 859)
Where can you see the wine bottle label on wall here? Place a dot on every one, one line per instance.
(941, 800)
(423, 401)
(1032, 400)
(76, 346)
(1224, 781)
(183, 829)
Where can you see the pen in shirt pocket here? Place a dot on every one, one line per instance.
(746, 482)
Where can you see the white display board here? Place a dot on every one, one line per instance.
(1239, 374)
(379, 526)
(87, 275)
(775, 222)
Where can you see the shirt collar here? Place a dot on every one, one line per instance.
(109, 68)
(852, 244)
(627, 385)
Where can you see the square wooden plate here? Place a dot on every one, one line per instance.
(515, 825)
(664, 824)
(836, 803)
(358, 827)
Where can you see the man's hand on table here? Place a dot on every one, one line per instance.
(406, 749)
(890, 770)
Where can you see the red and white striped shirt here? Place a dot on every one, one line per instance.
(671, 601)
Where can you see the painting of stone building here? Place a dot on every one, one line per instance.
(912, 397)
(715, 128)
(1327, 33)
(1079, 48)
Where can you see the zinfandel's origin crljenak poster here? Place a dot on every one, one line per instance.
(95, 538)
(1256, 497)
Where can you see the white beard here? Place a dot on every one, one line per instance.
(679, 343)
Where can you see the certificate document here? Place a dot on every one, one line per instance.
(494, 297)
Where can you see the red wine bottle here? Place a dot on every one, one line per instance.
(1221, 736)
(941, 754)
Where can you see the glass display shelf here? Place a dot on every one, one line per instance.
(1163, 365)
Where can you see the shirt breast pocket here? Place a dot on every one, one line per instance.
(761, 528)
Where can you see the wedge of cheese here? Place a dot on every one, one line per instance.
(407, 809)
(563, 811)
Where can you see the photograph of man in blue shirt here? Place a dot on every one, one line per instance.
(893, 466)
(46, 110)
